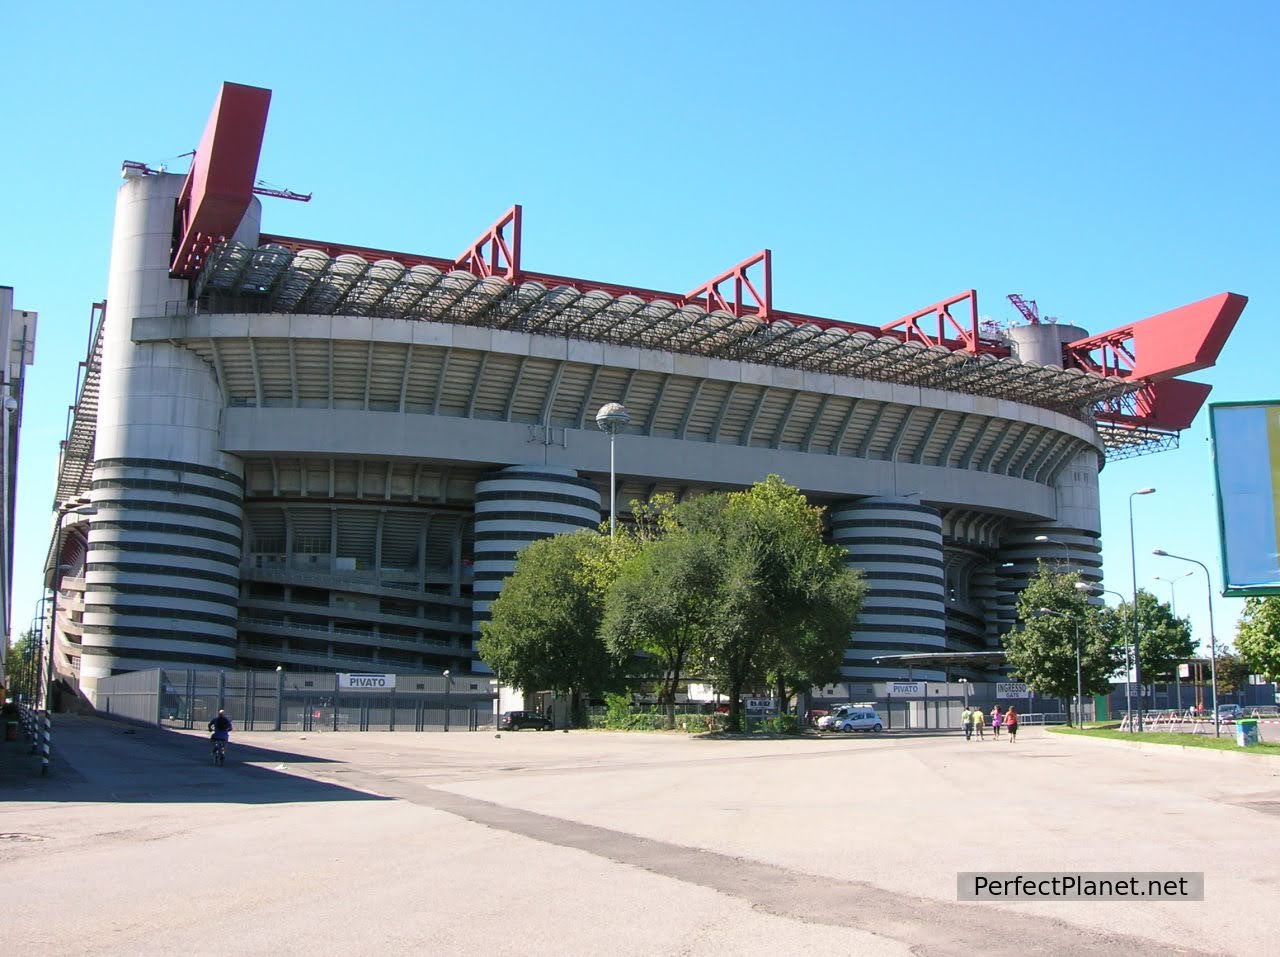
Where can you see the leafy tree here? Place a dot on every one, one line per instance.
(661, 607)
(544, 630)
(786, 602)
(1163, 640)
(20, 666)
(1043, 652)
(1258, 636)
(1233, 672)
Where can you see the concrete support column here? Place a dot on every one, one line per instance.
(164, 549)
(518, 505)
(897, 542)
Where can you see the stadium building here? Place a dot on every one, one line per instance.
(307, 453)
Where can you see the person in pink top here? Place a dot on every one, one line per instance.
(997, 719)
(1011, 722)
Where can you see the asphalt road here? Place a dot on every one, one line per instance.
(590, 842)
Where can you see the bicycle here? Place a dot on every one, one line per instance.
(219, 751)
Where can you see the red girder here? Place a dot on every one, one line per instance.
(909, 326)
(492, 254)
(219, 186)
(1162, 346)
(709, 296)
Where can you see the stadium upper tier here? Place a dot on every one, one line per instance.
(273, 278)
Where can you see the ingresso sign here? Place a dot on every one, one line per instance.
(1011, 689)
(905, 689)
(362, 680)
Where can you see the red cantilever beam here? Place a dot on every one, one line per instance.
(219, 187)
(1163, 346)
(493, 254)
(909, 326)
(709, 296)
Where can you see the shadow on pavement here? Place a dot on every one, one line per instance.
(95, 760)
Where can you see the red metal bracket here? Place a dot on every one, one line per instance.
(492, 254)
(1169, 406)
(1163, 346)
(709, 296)
(219, 187)
(909, 326)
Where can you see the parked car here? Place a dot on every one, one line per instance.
(1229, 712)
(519, 720)
(858, 719)
(827, 721)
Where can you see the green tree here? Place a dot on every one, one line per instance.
(1163, 640)
(544, 629)
(20, 666)
(786, 602)
(1043, 652)
(662, 607)
(1233, 672)
(1258, 636)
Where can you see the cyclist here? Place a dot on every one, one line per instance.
(221, 728)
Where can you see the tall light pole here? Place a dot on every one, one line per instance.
(1133, 561)
(613, 417)
(1054, 541)
(1213, 641)
(1092, 589)
(1173, 592)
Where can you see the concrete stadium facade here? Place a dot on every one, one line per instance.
(328, 458)
(321, 489)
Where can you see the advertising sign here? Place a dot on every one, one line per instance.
(366, 682)
(905, 689)
(1011, 689)
(1246, 462)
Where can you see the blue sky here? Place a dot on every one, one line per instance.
(1111, 161)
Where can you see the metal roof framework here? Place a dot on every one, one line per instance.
(274, 278)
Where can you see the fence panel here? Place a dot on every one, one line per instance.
(296, 701)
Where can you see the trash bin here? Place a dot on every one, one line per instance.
(1246, 732)
(11, 729)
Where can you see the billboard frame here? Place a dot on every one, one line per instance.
(1257, 591)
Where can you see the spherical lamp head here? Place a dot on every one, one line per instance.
(613, 417)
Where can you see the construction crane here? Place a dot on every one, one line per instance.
(262, 189)
(1029, 309)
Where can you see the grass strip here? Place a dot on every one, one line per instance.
(1225, 743)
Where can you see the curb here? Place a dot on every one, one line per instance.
(1238, 755)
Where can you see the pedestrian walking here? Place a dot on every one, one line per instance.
(966, 722)
(1011, 722)
(980, 724)
(997, 719)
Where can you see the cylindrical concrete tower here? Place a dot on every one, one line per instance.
(164, 547)
(519, 505)
(897, 542)
(1043, 342)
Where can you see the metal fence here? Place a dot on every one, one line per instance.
(297, 701)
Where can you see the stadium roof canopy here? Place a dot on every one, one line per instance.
(274, 278)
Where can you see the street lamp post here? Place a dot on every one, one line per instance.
(1173, 610)
(1053, 541)
(1091, 589)
(1133, 561)
(612, 418)
(1213, 641)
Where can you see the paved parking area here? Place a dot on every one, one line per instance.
(593, 842)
